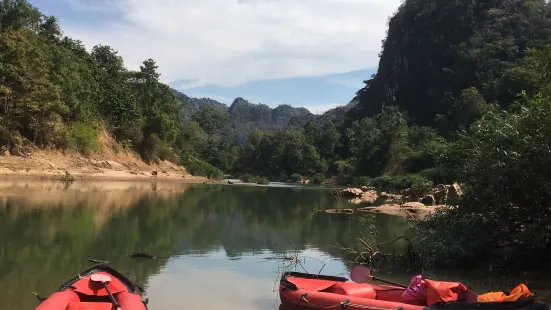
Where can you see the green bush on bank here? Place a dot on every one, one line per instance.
(155, 149)
(395, 183)
(295, 177)
(202, 168)
(318, 178)
(247, 178)
(82, 137)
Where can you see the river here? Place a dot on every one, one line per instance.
(215, 244)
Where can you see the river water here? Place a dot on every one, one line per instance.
(217, 246)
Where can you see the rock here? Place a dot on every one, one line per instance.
(454, 191)
(154, 173)
(392, 198)
(384, 195)
(367, 188)
(369, 196)
(336, 211)
(349, 192)
(427, 200)
(440, 196)
(414, 205)
(406, 192)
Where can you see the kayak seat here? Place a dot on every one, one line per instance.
(129, 300)
(354, 289)
(89, 306)
(59, 300)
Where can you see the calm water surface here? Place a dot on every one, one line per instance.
(213, 242)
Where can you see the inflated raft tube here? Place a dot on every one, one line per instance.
(81, 292)
(311, 291)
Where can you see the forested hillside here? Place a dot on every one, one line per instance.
(55, 93)
(461, 95)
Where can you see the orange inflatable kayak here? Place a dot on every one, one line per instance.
(311, 291)
(96, 288)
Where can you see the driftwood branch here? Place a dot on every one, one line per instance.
(370, 253)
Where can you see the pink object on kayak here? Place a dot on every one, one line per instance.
(416, 289)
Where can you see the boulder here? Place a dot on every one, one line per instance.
(384, 195)
(414, 205)
(368, 188)
(454, 191)
(369, 196)
(427, 200)
(349, 192)
(440, 196)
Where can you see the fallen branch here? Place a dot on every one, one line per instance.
(369, 253)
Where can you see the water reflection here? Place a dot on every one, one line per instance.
(211, 241)
(49, 230)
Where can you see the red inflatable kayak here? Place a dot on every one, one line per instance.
(311, 291)
(92, 289)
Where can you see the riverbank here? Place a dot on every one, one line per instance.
(110, 163)
(409, 210)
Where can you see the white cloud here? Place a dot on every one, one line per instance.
(322, 108)
(229, 42)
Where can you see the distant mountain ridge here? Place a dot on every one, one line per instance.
(244, 116)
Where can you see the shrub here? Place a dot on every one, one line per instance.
(201, 168)
(82, 137)
(247, 178)
(296, 177)
(155, 149)
(393, 183)
(318, 178)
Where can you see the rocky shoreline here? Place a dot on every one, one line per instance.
(406, 204)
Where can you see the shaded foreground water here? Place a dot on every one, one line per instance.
(211, 241)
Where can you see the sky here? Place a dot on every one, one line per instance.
(309, 53)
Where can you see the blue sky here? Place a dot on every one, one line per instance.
(309, 53)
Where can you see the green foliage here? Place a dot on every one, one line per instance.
(318, 178)
(435, 49)
(295, 177)
(210, 119)
(280, 153)
(201, 168)
(418, 184)
(83, 137)
(248, 178)
(156, 149)
(51, 88)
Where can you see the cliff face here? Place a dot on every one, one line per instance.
(435, 49)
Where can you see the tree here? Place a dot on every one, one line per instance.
(211, 120)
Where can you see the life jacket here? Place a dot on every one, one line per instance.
(518, 292)
(442, 291)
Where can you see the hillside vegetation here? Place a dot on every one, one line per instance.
(461, 95)
(54, 93)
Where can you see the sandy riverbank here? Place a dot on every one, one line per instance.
(110, 163)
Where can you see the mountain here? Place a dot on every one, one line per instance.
(436, 49)
(244, 116)
(193, 105)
